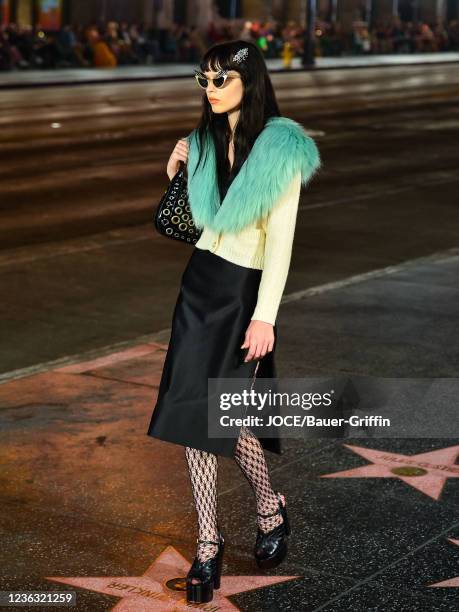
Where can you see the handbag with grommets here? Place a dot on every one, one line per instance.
(173, 217)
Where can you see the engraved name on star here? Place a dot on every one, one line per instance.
(426, 472)
(162, 587)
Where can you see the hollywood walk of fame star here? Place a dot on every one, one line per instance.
(159, 588)
(451, 582)
(426, 472)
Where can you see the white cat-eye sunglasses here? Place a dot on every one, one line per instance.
(219, 81)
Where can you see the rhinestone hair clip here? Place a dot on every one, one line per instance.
(241, 55)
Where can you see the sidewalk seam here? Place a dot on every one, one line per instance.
(159, 336)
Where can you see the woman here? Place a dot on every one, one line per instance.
(246, 165)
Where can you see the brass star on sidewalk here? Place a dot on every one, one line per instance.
(426, 472)
(452, 582)
(162, 586)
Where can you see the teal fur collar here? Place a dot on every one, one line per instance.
(281, 150)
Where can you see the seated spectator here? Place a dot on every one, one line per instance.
(145, 49)
(453, 35)
(69, 48)
(440, 37)
(102, 54)
(45, 49)
(426, 38)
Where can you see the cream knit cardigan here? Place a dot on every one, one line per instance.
(265, 245)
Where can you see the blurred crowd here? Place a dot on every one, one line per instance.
(116, 44)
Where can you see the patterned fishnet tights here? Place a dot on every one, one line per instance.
(203, 468)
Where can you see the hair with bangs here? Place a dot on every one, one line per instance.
(257, 106)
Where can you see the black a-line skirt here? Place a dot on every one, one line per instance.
(213, 310)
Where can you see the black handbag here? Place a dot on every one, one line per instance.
(173, 217)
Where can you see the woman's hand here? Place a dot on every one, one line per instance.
(180, 153)
(259, 339)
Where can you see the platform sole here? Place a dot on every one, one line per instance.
(274, 560)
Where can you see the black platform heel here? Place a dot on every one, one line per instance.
(271, 548)
(207, 572)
